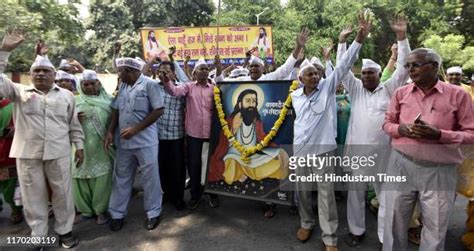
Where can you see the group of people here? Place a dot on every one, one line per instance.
(81, 148)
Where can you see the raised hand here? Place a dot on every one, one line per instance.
(218, 64)
(302, 37)
(345, 33)
(171, 51)
(301, 40)
(41, 48)
(399, 26)
(187, 59)
(364, 27)
(394, 49)
(11, 40)
(327, 51)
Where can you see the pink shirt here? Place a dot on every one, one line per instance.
(199, 103)
(447, 107)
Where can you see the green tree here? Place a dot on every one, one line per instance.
(120, 21)
(452, 51)
(58, 25)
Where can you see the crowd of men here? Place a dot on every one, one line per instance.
(79, 148)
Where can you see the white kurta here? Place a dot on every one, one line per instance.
(368, 108)
(365, 128)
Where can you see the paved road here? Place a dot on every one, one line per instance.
(236, 225)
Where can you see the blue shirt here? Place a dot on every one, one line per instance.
(134, 104)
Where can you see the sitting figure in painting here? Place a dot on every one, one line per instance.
(247, 128)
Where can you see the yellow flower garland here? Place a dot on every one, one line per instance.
(246, 152)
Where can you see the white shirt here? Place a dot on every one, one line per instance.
(316, 113)
(368, 108)
(281, 73)
(45, 123)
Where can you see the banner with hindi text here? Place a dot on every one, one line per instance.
(230, 42)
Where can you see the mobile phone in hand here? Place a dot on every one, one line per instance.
(417, 119)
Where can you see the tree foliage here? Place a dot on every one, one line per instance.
(58, 24)
(440, 24)
(327, 18)
(451, 50)
(120, 21)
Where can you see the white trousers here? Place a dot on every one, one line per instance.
(356, 209)
(433, 187)
(34, 175)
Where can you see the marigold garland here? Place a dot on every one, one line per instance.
(246, 152)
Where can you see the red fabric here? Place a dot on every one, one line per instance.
(217, 166)
(4, 102)
(6, 143)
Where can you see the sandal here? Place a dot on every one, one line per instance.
(102, 219)
(354, 240)
(414, 235)
(81, 218)
(269, 211)
(16, 217)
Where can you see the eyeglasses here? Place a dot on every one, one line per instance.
(417, 64)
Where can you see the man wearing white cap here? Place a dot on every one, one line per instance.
(369, 102)
(314, 131)
(257, 66)
(199, 102)
(47, 124)
(135, 110)
(454, 75)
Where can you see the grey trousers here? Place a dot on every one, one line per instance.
(33, 175)
(327, 209)
(145, 160)
(433, 188)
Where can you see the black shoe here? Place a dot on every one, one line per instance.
(180, 205)
(68, 240)
(213, 200)
(193, 204)
(152, 223)
(116, 224)
(354, 240)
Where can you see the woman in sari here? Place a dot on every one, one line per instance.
(92, 181)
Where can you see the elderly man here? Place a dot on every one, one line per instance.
(314, 131)
(46, 124)
(199, 96)
(135, 110)
(369, 101)
(428, 121)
